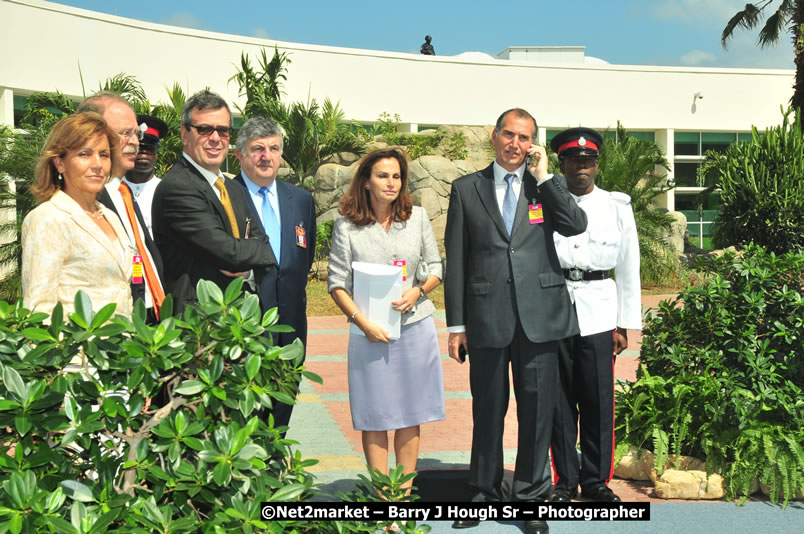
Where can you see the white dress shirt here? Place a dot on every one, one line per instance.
(144, 195)
(112, 187)
(610, 242)
(256, 197)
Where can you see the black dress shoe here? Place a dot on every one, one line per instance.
(536, 526)
(560, 495)
(601, 494)
(465, 523)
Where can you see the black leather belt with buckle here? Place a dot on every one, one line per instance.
(576, 275)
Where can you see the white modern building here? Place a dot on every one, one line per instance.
(684, 109)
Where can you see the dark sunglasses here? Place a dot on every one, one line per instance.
(205, 130)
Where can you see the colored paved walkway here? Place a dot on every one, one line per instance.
(322, 425)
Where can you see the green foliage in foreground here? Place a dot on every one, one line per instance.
(152, 429)
(722, 374)
(761, 186)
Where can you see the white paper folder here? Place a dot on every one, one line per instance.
(376, 286)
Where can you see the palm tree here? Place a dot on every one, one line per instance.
(637, 167)
(788, 16)
(313, 132)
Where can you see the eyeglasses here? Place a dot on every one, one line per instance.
(205, 130)
(131, 133)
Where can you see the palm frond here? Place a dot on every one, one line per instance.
(126, 86)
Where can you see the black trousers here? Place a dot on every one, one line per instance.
(535, 376)
(586, 371)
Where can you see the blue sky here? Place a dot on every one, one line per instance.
(648, 32)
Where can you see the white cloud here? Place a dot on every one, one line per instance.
(697, 58)
(184, 19)
(260, 33)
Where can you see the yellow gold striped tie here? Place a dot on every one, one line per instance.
(227, 206)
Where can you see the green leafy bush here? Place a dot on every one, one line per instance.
(452, 146)
(323, 243)
(158, 428)
(722, 374)
(761, 186)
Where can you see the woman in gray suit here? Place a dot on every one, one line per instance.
(70, 241)
(393, 384)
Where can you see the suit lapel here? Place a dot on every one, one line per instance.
(207, 191)
(488, 197)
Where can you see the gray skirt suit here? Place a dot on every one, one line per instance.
(399, 384)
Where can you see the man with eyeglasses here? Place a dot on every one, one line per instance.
(146, 284)
(201, 220)
(605, 309)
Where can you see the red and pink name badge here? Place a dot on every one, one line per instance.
(535, 214)
(301, 237)
(136, 276)
(404, 265)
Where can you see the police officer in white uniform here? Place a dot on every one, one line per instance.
(141, 179)
(606, 310)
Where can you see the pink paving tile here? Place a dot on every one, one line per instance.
(456, 376)
(331, 322)
(452, 434)
(455, 432)
(626, 368)
(327, 344)
(334, 375)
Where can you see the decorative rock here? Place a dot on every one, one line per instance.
(429, 201)
(685, 463)
(439, 227)
(766, 492)
(676, 484)
(675, 236)
(342, 158)
(630, 465)
(329, 177)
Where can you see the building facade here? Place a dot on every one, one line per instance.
(683, 109)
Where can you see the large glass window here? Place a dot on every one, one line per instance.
(717, 141)
(687, 144)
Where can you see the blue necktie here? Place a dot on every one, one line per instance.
(270, 223)
(509, 204)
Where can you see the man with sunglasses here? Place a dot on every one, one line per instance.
(201, 220)
(605, 309)
(146, 284)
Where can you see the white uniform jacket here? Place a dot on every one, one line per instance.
(610, 242)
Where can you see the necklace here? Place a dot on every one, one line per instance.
(98, 215)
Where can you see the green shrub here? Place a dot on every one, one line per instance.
(451, 146)
(723, 373)
(159, 429)
(761, 186)
(323, 243)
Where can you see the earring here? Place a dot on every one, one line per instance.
(61, 178)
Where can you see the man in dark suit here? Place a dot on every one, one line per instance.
(507, 303)
(287, 214)
(202, 222)
(146, 283)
